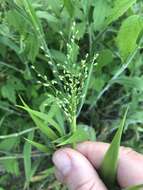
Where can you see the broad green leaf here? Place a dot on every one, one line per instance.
(8, 144)
(15, 20)
(105, 58)
(11, 166)
(69, 6)
(137, 187)
(8, 91)
(39, 146)
(13, 46)
(89, 130)
(109, 164)
(128, 34)
(101, 10)
(119, 8)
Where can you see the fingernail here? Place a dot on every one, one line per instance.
(62, 162)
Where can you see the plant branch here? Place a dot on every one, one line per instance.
(18, 134)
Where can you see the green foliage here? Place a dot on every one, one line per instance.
(47, 56)
(128, 34)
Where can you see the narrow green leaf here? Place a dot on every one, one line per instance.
(109, 164)
(42, 122)
(42, 126)
(46, 118)
(137, 187)
(39, 146)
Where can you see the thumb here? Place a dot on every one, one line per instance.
(76, 171)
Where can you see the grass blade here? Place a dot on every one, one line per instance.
(43, 127)
(46, 118)
(39, 116)
(109, 165)
(27, 159)
(39, 122)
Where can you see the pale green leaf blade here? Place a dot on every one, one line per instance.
(109, 164)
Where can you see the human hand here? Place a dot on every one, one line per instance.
(77, 168)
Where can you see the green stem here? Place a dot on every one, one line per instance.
(74, 124)
(74, 127)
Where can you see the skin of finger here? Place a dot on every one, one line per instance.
(130, 167)
(82, 175)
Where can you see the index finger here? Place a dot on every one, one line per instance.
(130, 167)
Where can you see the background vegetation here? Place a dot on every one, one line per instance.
(111, 28)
